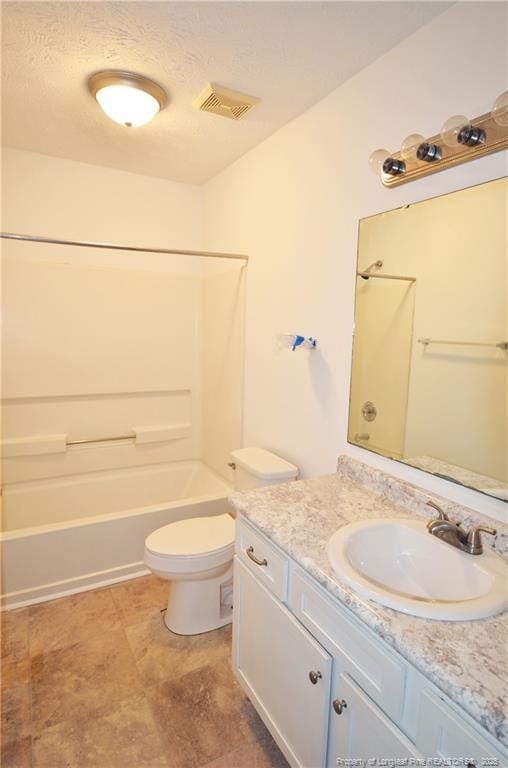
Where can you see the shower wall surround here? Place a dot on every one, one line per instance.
(92, 352)
(98, 345)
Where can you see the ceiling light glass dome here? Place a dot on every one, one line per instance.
(127, 98)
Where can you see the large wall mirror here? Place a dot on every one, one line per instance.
(429, 380)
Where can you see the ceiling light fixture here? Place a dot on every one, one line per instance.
(127, 98)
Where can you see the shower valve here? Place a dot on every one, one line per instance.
(369, 411)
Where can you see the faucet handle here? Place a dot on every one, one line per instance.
(441, 513)
(474, 538)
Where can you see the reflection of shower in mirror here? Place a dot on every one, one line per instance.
(365, 274)
(431, 337)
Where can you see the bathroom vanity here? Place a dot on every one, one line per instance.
(337, 678)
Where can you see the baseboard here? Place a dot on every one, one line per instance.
(73, 586)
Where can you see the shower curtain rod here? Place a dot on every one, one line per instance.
(116, 247)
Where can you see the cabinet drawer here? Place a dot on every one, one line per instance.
(262, 558)
(441, 732)
(356, 652)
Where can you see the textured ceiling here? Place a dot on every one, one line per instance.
(290, 54)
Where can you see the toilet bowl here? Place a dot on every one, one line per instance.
(196, 555)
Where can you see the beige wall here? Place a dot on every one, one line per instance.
(293, 203)
(63, 198)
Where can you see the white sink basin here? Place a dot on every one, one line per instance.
(398, 563)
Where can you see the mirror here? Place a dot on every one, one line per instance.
(429, 381)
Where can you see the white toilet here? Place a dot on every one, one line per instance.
(197, 554)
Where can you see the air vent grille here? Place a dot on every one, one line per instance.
(222, 101)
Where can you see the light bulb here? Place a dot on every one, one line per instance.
(127, 105)
(377, 159)
(410, 145)
(452, 128)
(500, 110)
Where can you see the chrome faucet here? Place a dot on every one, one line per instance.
(453, 534)
(474, 538)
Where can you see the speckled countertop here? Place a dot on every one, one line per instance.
(466, 660)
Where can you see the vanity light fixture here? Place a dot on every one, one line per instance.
(381, 163)
(415, 145)
(410, 145)
(459, 140)
(429, 152)
(500, 110)
(127, 98)
(460, 129)
(451, 129)
(393, 167)
(377, 159)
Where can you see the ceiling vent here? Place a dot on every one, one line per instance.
(222, 101)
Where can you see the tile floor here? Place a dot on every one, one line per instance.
(95, 680)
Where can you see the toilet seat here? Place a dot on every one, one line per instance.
(193, 545)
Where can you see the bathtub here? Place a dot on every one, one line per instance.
(63, 536)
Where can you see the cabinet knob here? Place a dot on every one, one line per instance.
(339, 706)
(314, 677)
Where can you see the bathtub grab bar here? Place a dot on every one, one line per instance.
(36, 445)
(100, 439)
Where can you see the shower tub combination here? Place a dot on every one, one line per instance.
(95, 529)
(83, 485)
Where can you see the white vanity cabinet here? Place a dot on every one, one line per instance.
(284, 671)
(328, 689)
(442, 733)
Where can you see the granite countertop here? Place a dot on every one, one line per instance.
(466, 660)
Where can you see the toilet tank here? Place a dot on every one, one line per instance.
(255, 467)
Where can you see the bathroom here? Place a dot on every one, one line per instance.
(143, 383)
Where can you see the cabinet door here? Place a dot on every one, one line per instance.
(283, 670)
(361, 731)
(443, 734)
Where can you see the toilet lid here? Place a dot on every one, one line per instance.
(196, 536)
